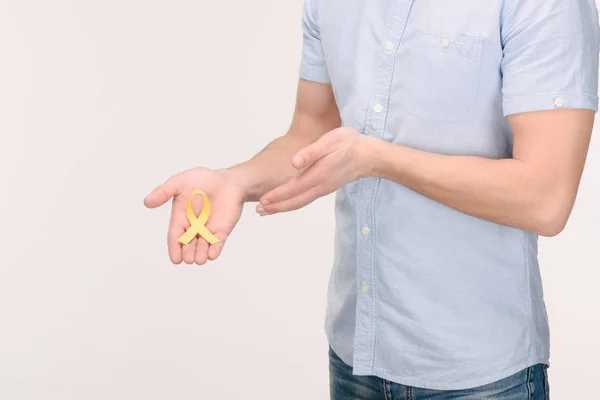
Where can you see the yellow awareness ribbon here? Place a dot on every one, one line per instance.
(197, 223)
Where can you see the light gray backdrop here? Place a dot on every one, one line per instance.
(100, 101)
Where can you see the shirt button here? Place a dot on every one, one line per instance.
(445, 42)
(378, 108)
(365, 288)
(389, 46)
(559, 102)
(365, 230)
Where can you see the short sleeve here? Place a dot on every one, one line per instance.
(312, 64)
(550, 55)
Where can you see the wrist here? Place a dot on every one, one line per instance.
(236, 177)
(369, 150)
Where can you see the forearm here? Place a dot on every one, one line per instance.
(506, 191)
(270, 168)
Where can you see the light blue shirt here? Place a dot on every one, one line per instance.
(422, 294)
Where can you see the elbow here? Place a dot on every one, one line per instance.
(550, 217)
(550, 225)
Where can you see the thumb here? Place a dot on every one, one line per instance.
(161, 194)
(313, 152)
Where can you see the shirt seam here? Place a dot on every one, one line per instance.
(529, 376)
(373, 269)
(527, 269)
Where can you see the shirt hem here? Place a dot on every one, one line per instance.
(314, 74)
(463, 385)
(549, 101)
(425, 384)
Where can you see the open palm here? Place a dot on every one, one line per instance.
(226, 200)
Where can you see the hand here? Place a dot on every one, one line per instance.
(226, 198)
(337, 158)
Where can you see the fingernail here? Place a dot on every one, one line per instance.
(265, 202)
(260, 210)
(298, 161)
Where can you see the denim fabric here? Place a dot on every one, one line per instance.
(529, 384)
(420, 293)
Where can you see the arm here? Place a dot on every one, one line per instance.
(546, 57)
(534, 191)
(315, 114)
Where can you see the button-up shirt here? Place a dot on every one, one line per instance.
(422, 294)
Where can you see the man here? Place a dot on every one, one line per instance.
(453, 133)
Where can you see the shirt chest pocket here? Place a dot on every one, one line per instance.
(443, 76)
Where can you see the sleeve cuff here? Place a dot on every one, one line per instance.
(314, 74)
(549, 101)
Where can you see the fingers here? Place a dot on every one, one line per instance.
(177, 226)
(197, 251)
(205, 251)
(214, 251)
(296, 186)
(175, 253)
(311, 177)
(296, 202)
(161, 194)
(201, 252)
(189, 251)
(314, 152)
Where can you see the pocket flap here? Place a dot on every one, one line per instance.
(465, 45)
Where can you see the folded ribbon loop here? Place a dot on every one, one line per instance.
(197, 223)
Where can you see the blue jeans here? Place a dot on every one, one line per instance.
(528, 384)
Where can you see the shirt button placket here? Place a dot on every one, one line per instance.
(364, 349)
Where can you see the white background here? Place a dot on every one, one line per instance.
(100, 101)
